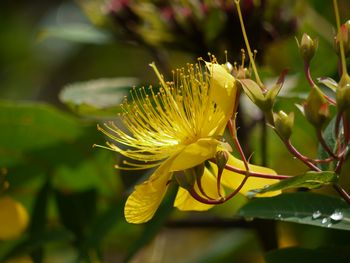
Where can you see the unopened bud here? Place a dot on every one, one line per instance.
(343, 93)
(221, 159)
(264, 101)
(284, 124)
(307, 47)
(343, 35)
(228, 66)
(241, 73)
(316, 108)
(187, 178)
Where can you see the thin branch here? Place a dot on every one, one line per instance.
(301, 157)
(256, 174)
(324, 144)
(342, 192)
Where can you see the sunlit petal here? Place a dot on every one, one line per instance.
(194, 154)
(223, 87)
(144, 201)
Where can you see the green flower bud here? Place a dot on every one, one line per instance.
(284, 124)
(221, 159)
(307, 47)
(316, 108)
(264, 100)
(343, 96)
(344, 35)
(187, 178)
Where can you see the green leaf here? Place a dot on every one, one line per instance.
(252, 90)
(77, 32)
(330, 139)
(96, 97)
(310, 180)
(92, 171)
(32, 126)
(303, 207)
(306, 255)
(328, 82)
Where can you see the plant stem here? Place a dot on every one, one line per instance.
(342, 192)
(222, 200)
(256, 174)
(312, 82)
(218, 181)
(200, 187)
(237, 189)
(241, 153)
(232, 129)
(340, 164)
(324, 144)
(196, 196)
(301, 157)
(250, 54)
(328, 160)
(308, 73)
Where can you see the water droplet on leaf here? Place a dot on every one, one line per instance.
(337, 215)
(316, 214)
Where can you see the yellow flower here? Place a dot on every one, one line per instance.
(13, 218)
(223, 88)
(174, 129)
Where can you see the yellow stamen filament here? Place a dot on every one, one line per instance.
(157, 124)
(250, 53)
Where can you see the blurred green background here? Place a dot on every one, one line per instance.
(73, 195)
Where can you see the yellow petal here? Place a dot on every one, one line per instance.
(233, 180)
(13, 218)
(194, 154)
(146, 198)
(223, 89)
(185, 202)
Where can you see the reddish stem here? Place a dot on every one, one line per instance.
(218, 181)
(308, 73)
(342, 192)
(232, 129)
(196, 196)
(312, 83)
(328, 160)
(200, 187)
(255, 174)
(237, 189)
(324, 144)
(222, 200)
(301, 157)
